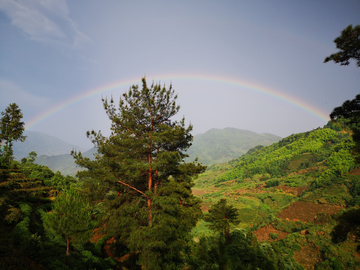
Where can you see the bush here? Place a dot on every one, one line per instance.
(272, 183)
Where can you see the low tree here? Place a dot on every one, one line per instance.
(140, 177)
(349, 45)
(69, 219)
(220, 217)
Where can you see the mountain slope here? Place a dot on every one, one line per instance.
(42, 144)
(221, 145)
(301, 195)
(63, 163)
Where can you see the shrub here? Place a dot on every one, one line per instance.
(272, 183)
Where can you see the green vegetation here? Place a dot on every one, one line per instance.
(290, 205)
(220, 217)
(349, 45)
(140, 175)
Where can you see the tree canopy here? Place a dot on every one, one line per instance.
(221, 216)
(70, 218)
(11, 128)
(348, 44)
(350, 109)
(140, 177)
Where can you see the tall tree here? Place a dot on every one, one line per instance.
(221, 216)
(349, 45)
(11, 129)
(140, 176)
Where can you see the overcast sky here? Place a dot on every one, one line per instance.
(54, 52)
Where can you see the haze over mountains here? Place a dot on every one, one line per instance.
(213, 146)
(42, 144)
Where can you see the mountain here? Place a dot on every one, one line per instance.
(214, 146)
(222, 145)
(42, 144)
(63, 163)
(299, 196)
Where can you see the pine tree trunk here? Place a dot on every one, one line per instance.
(67, 250)
(150, 186)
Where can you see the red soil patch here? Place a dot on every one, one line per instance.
(294, 190)
(204, 208)
(308, 257)
(198, 192)
(355, 172)
(263, 234)
(307, 211)
(258, 189)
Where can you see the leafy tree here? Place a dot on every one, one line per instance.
(349, 45)
(140, 177)
(11, 129)
(32, 157)
(69, 219)
(221, 216)
(350, 109)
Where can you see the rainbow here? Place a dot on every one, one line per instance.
(323, 116)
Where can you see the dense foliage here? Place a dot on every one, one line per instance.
(348, 44)
(140, 177)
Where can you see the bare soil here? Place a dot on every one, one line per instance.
(263, 234)
(297, 191)
(307, 211)
(308, 257)
(198, 192)
(355, 172)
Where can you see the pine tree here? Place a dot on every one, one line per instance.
(69, 219)
(15, 186)
(348, 44)
(221, 216)
(140, 176)
(11, 129)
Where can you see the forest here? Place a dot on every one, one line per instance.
(140, 204)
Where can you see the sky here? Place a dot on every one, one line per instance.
(253, 65)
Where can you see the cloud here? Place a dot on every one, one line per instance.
(12, 93)
(44, 21)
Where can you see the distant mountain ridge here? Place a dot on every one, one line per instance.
(63, 163)
(42, 144)
(222, 145)
(213, 146)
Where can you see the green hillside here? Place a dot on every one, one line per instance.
(296, 195)
(222, 145)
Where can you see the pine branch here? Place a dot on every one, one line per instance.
(132, 188)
